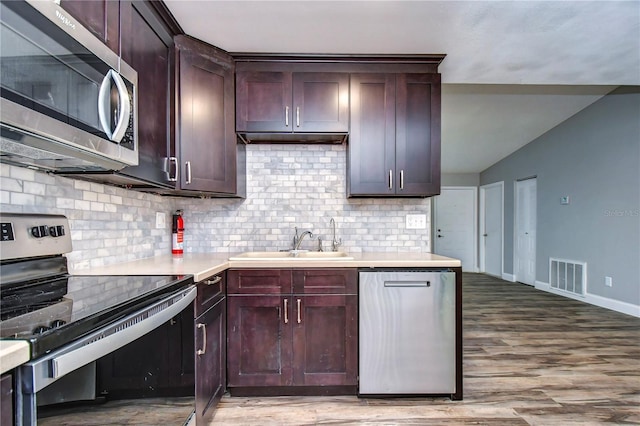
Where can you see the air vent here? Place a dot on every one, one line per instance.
(568, 276)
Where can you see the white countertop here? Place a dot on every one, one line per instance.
(12, 354)
(202, 265)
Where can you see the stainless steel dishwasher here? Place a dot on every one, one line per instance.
(407, 332)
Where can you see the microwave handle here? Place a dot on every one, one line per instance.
(104, 104)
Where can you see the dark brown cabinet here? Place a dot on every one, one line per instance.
(292, 102)
(210, 346)
(6, 400)
(206, 146)
(301, 332)
(146, 45)
(394, 144)
(101, 17)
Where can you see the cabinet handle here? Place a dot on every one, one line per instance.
(286, 116)
(297, 116)
(390, 179)
(204, 338)
(216, 280)
(299, 319)
(188, 167)
(167, 168)
(286, 315)
(401, 179)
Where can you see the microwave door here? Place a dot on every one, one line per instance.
(52, 77)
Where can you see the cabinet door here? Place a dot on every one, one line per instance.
(210, 364)
(207, 136)
(372, 137)
(320, 102)
(259, 341)
(418, 134)
(147, 46)
(6, 399)
(101, 17)
(259, 281)
(325, 281)
(263, 102)
(325, 340)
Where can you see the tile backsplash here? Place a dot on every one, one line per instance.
(288, 186)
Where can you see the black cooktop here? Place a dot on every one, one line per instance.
(52, 313)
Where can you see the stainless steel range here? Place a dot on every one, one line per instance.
(70, 321)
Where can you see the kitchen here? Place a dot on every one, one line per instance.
(121, 225)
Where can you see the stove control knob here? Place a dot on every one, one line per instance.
(40, 231)
(56, 231)
(57, 323)
(41, 329)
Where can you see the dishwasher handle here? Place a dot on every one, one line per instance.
(407, 283)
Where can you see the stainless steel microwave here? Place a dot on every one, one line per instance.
(68, 103)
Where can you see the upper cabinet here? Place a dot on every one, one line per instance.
(394, 143)
(147, 45)
(101, 17)
(207, 151)
(291, 102)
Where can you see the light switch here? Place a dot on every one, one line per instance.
(161, 220)
(416, 221)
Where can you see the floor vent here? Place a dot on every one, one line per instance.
(568, 276)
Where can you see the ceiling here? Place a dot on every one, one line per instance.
(514, 69)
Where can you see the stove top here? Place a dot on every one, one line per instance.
(78, 305)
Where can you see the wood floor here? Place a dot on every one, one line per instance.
(530, 358)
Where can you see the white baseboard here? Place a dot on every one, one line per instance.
(509, 277)
(592, 299)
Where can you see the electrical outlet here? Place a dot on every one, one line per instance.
(416, 221)
(161, 220)
(608, 281)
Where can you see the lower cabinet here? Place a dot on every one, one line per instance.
(6, 399)
(210, 341)
(293, 343)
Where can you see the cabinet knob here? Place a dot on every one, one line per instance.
(286, 116)
(299, 315)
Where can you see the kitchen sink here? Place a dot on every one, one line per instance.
(293, 255)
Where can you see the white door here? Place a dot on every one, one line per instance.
(455, 225)
(491, 225)
(525, 232)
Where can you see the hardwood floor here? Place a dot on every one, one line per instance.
(530, 358)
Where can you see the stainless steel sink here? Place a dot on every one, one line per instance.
(292, 255)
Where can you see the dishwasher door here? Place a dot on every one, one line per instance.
(407, 332)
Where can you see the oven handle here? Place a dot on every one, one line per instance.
(122, 332)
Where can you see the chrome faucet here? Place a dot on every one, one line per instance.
(334, 243)
(298, 240)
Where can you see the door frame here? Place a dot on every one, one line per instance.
(516, 212)
(474, 267)
(482, 208)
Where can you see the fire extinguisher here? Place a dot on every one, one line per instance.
(177, 234)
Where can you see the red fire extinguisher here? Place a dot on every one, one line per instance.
(177, 234)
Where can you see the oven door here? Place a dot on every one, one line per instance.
(35, 376)
(65, 95)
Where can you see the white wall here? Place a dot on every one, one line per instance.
(594, 158)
